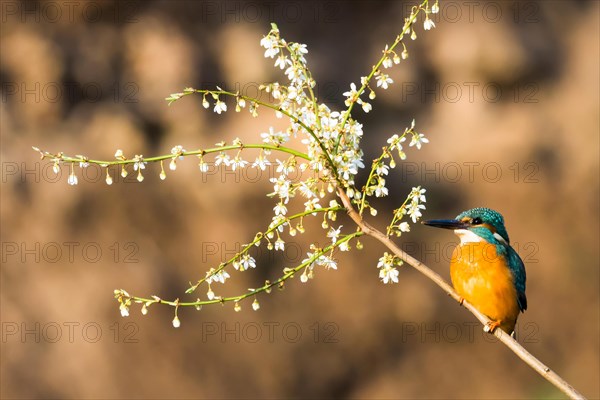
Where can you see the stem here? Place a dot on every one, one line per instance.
(287, 275)
(309, 80)
(407, 26)
(257, 238)
(368, 183)
(184, 154)
(504, 337)
(274, 107)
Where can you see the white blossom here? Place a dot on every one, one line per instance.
(282, 61)
(418, 139)
(380, 189)
(418, 194)
(270, 45)
(178, 151)
(124, 310)
(404, 227)
(245, 262)
(282, 187)
(351, 95)
(280, 209)
(311, 205)
(428, 24)
(387, 270)
(72, 180)
(279, 244)
(275, 138)
(327, 262)
(220, 107)
(334, 234)
(139, 163)
(414, 211)
(388, 275)
(220, 276)
(222, 158)
(176, 322)
(382, 169)
(383, 80)
(203, 166)
(260, 162)
(238, 162)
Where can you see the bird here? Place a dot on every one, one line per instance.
(485, 270)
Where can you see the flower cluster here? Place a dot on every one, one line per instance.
(388, 273)
(376, 182)
(327, 166)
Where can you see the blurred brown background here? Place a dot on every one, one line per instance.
(507, 92)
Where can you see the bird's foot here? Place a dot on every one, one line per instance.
(491, 326)
(461, 301)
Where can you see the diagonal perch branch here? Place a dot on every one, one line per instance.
(505, 338)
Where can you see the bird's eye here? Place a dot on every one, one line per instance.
(476, 221)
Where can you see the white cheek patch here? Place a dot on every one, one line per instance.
(500, 238)
(466, 236)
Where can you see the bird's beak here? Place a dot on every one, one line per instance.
(446, 223)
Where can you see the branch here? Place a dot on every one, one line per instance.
(201, 152)
(504, 337)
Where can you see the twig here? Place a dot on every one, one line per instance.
(505, 338)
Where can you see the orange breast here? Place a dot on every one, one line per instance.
(483, 278)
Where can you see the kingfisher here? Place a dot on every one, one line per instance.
(485, 270)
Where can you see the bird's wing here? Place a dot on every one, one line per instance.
(518, 270)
